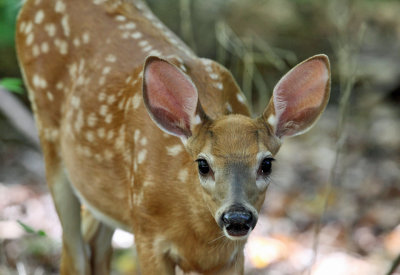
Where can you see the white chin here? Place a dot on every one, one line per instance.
(236, 238)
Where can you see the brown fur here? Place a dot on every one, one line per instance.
(85, 91)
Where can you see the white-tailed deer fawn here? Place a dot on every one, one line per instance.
(150, 138)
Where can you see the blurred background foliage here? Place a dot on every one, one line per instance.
(8, 14)
(348, 165)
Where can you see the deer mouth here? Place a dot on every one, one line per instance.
(237, 230)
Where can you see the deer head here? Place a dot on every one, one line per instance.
(234, 153)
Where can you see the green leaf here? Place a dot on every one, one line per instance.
(12, 84)
(41, 233)
(30, 230)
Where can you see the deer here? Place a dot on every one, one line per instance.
(139, 133)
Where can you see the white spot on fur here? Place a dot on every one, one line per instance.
(108, 155)
(91, 119)
(50, 29)
(101, 97)
(147, 183)
(155, 52)
(218, 85)
(240, 98)
(108, 118)
(148, 48)
(106, 70)
(29, 27)
(29, 39)
(101, 132)
(136, 135)
(50, 96)
(103, 110)
(35, 50)
(98, 157)
(39, 82)
(143, 43)
(111, 99)
(143, 141)
(98, 2)
(130, 26)
(174, 150)
(183, 175)
(80, 80)
(75, 102)
(79, 121)
(142, 156)
(45, 47)
(76, 42)
(102, 80)
(138, 198)
(59, 7)
(136, 35)
(228, 107)
(39, 16)
(128, 79)
(62, 46)
(121, 105)
(206, 62)
(85, 37)
(120, 18)
(72, 70)
(59, 86)
(110, 134)
(90, 136)
(119, 143)
(22, 26)
(214, 76)
(209, 69)
(51, 134)
(136, 100)
(111, 58)
(65, 25)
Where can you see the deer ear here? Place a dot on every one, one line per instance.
(170, 97)
(299, 98)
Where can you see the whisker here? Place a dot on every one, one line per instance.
(222, 235)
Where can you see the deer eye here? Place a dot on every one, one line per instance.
(265, 167)
(203, 166)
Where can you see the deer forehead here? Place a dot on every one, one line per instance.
(234, 138)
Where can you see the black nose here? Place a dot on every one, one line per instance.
(238, 222)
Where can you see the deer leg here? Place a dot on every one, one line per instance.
(74, 259)
(98, 236)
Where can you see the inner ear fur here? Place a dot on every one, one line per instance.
(171, 98)
(299, 98)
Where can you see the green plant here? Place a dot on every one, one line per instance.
(12, 84)
(8, 13)
(30, 230)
